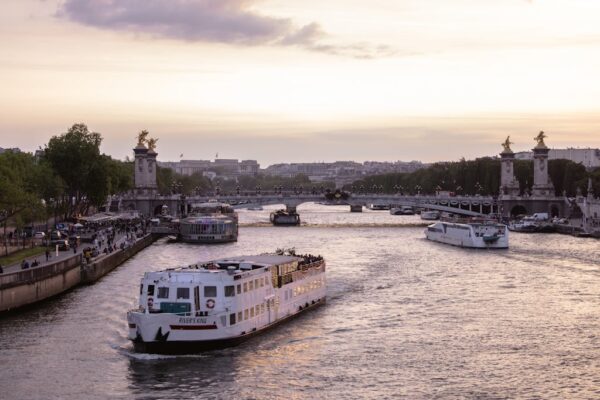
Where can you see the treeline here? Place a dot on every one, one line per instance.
(65, 179)
(480, 176)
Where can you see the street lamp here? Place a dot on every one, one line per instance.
(478, 188)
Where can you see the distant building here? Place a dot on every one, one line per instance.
(341, 171)
(13, 149)
(590, 158)
(224, 168)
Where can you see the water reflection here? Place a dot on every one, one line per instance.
(404, 318)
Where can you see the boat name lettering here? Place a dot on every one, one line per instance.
(192, 320)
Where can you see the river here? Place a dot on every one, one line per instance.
(405, 318)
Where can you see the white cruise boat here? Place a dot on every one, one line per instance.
(223, 302)
(475, 235)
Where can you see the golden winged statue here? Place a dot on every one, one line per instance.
(141, 137)
(507, 144)
(540, 139)
(152, 144)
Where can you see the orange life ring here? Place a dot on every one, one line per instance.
(210, 303)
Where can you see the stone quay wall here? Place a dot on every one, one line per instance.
(33, 285)
(102, 265)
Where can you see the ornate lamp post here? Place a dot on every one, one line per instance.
(478, 188)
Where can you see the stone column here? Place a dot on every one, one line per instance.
(542, 186)
(509, 186)
(151, 170)
(140, 175)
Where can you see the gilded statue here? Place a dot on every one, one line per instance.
(507, 144)
(141, 137)
(540, 139)
(152, 144)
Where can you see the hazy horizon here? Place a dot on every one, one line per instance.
(280, 81)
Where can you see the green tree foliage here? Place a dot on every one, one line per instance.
(21, 190)
(88, 176)
(567, 176)
(19, 193)
(478, 176)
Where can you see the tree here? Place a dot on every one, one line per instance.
(20, 201)
(75, 156)
(88, 176)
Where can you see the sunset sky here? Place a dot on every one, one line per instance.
(302, 81)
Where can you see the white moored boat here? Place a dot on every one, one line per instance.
(402, 210)
(475, 235)
(223, 302)
(210, 222)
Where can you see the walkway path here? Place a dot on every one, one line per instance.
(63, 255)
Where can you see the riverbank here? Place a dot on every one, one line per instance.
(26, 287)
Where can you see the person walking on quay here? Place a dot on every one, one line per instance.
(47, 254)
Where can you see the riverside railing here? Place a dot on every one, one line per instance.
(36, 274)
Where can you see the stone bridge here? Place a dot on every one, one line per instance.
(181, 204)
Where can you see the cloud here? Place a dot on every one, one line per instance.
(217, 21)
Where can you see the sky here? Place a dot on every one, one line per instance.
(302, 81)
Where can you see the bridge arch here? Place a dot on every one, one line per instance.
(519, 209)
(159, 208)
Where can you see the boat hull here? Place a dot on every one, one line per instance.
(199, 346)
(208, 239)
(462, 235)
(285, 220)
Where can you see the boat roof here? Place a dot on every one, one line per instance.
(212, 204)
(267, 259)
(206, 217)
(256, 262)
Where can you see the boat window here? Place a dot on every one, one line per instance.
(163, 293)
(240, 316)
(257, 310)
(210, 291)
(197, 297)
(262, 308)
(246, 314)
(252, 312)
(245, 287)
(239, 289)
(229, 291)
(232, 319)
(150, 290)
(183, 293)
(251, 286)
(256, 283)
(175, 308)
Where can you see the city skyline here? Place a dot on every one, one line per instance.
(281, 82)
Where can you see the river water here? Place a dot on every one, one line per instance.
(405, 318)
